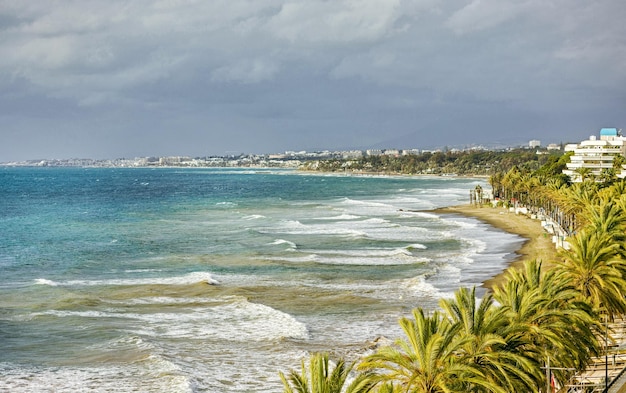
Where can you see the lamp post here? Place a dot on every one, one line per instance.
(549, 373)
(606, 352)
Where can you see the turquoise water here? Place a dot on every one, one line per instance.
(213, 280)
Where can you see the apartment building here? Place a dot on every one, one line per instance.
(597, 155)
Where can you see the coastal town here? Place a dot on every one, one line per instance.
(288, 159)
(596, 157)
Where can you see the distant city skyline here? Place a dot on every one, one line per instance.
(124, 78)
(243, 159)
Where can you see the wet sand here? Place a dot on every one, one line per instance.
(538, 244)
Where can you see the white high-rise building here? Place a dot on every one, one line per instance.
(596, 155)
(534, 143)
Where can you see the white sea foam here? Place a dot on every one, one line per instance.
(165, 300)
(420, 214)
(277, 242)
(301, 259)
(462, 222)
(153, 374)
(226, 204)
(370, 252)
(339, 218)
(142, 270)
(416, 246)
(476, 245)
(401, 233)
(43, 281)
(236, 320)
(375, 228)
(418, 286)
(294, 227)
(239, 321)
(253, 217)
(187, 279)
(369, 205)
(449, 269)
(397, 257)
(80, 314)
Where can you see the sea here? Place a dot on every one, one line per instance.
(214, 280)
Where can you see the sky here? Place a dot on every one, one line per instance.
(136, 78)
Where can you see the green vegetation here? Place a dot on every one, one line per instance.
(457, 162)
(321, 379)
(544, 313)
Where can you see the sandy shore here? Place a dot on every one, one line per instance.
(537, 246)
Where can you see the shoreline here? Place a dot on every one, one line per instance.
(537, 244)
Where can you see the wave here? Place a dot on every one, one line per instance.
(142, 270)
(226, 204)
(44, 281)
(421, 214)
(463, 223)
(394, 258)
(356, 202)
(253, 217)
(295, 227)
(236, 320)
(375, 228)
(341, 217)
(372, 252)
(419, 287)
(277, 242)
(165, 300)
(151, 373)
(416, 246)
(187, 279)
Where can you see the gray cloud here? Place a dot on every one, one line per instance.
(106, 79)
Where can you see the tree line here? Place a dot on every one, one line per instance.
(451, 162)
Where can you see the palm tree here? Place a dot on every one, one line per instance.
(618, 163)
(606, 217)
(546, 319)
(585, 174)
(482, 323)
(430, 360)
(497, 189)
(616, 190)
(608, 176)
(322, 380)
(573, 200)
(511, 182)
(596, 271)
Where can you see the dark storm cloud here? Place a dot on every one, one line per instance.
(123, 78)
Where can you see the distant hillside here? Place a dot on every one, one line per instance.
(478, 163)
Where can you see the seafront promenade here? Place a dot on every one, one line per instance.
(544, 239)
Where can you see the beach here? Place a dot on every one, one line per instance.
(538, 244)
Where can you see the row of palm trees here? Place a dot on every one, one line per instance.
(543, 314)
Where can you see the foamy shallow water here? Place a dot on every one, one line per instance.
(214, 280)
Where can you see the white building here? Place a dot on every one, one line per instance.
(534, 143)
(352, 154)
(392, 152)
(596, 155)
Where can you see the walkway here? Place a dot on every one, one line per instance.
(613, 365)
